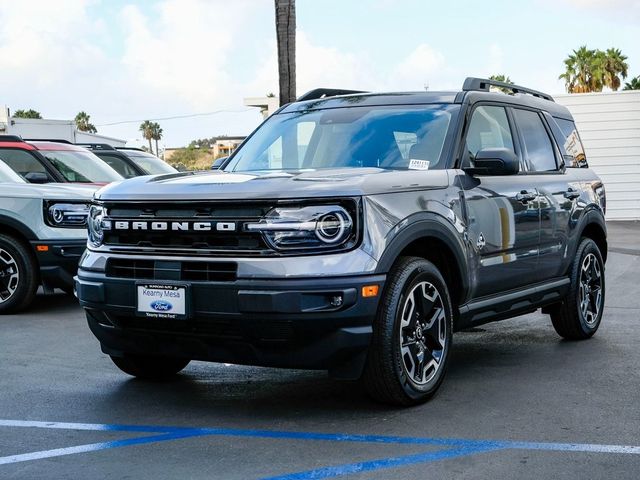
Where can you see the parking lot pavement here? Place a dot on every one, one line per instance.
(517, 402)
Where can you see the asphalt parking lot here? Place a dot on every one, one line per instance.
(518, 402)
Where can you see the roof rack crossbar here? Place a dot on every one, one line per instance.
(483, 84)
(326, 92)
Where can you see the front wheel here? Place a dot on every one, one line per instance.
(412, 335)
(579, 316)
(18, 275)
(150, 368)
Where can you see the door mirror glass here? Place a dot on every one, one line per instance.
(494, 161)
(217, 163)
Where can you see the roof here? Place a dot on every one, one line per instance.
(56, 146)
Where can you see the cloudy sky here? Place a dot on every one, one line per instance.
(124, 61)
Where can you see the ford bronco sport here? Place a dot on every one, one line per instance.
(354, 232)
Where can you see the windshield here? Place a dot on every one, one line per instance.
(8, 175)
(394, 137)
(81, 167)
(150, 163)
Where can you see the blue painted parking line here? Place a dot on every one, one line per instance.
(453, 447)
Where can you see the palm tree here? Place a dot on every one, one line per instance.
(582, 71)
(83, 123)
(146, 128)
(31, 113)
(156, 134)
(504, 79)
(615, 66)
(286, 38)
(634, 84)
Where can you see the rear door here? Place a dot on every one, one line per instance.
(558, 194)
(502, 212)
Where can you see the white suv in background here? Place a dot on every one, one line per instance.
(42, 236)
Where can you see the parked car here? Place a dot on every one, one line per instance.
(54, 161)
(43, 232)
(353, 232)
(129, 163)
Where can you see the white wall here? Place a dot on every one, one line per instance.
(609, 125)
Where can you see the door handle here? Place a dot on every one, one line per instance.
(526, 196)
(571, 194)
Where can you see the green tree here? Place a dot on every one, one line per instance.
(156, 134)
(504, 79)
(146, 128)
(83, 123)
(286, 40)
(31, 113)
(590, 70)
(633, 84)
(614, 66)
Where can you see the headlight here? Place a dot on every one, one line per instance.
(305, 227)
(65, 214)
(97, 225)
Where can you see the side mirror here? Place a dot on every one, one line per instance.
(218, 163)
(36, 177)
(494, 161)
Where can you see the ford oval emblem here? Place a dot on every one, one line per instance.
(161, 306)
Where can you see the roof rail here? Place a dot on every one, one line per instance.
(57, 140)
(11, 138)
(326, 92)
(132, 148)
(96, 146)
(483, 84)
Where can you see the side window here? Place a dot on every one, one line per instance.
(22, 162)
(489, 128)
(571, 143)
(119, 165)
(537, 147)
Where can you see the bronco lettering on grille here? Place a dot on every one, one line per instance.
(175, 226)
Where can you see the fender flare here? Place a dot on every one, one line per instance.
(592, 216)
(20, 227)
(431, 227)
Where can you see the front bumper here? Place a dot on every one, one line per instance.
(58, 261)
(288, 323)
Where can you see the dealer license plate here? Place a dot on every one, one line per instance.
(162, 301)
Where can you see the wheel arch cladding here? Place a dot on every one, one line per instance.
(435, 242)
(19, 231)
(594, 230)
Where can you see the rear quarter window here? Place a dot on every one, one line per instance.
(569, 140)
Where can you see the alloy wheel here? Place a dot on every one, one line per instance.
(9, 275)
(423, 333)
(590, 296)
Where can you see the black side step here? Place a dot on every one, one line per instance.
(512, 303)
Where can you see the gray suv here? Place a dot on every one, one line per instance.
(354, 232)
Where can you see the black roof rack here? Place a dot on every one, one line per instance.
(483, 84)
(11, 138)
(57, 140)
(96, 146)
(326, 92)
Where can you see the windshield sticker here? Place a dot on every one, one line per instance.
(415, 164)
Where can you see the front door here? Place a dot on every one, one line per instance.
(503, 217)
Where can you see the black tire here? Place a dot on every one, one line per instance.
(18, 275)
(394, 373)
(587, 275)
(150, 368)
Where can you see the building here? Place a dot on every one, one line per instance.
(225, 146)
(267, 105)
(31, 128)
(609, 125)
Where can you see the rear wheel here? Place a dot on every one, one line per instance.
(579, 316)
(412, 335)
(18, 275)
(148, 367)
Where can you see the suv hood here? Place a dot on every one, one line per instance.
(220, 185)
(51, 191)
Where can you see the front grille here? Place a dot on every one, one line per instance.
(188, 241)
(171, 270)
